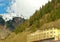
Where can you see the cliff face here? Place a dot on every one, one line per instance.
(17, 21)
(3, 32)
(7, 27)
(12, 24)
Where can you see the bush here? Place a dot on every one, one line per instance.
(2, 21)
(20, 28)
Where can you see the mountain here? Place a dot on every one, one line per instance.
(12, 24)
(6, 27)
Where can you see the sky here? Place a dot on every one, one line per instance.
(28, 7)
(4, 5)
(20, 7)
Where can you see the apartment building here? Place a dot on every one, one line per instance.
(44, 34)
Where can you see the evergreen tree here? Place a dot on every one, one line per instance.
(2, 21)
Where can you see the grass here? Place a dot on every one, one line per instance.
(21, 37)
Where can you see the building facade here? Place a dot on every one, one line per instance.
(44, 34)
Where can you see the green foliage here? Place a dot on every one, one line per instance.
(20, 28)
(33, 18)
(56, 1)
(33, 28)
(9, 24)
(55, 14)
(37, 24)
(2, 21)
(26, 23)
(39, 13)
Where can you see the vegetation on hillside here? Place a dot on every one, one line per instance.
(9, 25)
(49, 12)
(22, 27)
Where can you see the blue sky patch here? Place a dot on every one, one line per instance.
(4, 4)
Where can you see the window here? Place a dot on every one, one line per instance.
(51, 32)
(47, 32)
(50, 28)
(44, 33)
(51, 35)
(54, 31)
(44, 36)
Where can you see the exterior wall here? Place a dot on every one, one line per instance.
(44, 34)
